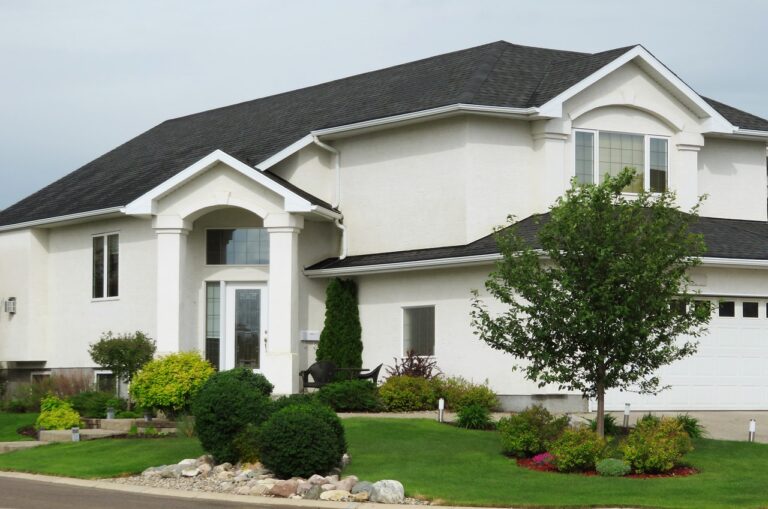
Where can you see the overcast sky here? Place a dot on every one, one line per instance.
(78, 78)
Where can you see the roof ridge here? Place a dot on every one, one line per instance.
(483, 71)
(338, 80)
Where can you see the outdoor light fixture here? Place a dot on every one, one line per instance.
(75, 434)
(626, 415)
(752, 429)
(10, 305)
(440, 409)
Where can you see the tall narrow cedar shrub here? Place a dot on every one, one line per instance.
(340, 341)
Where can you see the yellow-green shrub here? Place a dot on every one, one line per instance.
(171, 382)
(578, 450)
(55, 413)
(459, 392)
(656, 446)
(408, 394)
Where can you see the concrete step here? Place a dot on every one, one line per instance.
(65, 435)
(18, 446)
(125, 425)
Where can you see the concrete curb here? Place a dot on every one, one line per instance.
(265, 502)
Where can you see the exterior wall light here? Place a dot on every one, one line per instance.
(10, 305)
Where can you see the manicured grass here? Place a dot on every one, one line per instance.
(9, 423)
(465, 467)
(101, 458)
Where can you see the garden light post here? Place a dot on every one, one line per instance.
(626, 415)
(75, 434)
(440, 409)
(752, 429)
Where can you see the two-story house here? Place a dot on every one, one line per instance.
(218, 231)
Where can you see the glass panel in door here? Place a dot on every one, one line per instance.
(247, 327)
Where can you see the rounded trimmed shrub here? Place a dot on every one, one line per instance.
(530, 432)
(227, 403)
(577, 450)
(298, 441)
(55, 413)
(351, 396)
(408, 394)
(474, 416)
(170, 383)
(656, 446)
(309, 398)
(612, 467)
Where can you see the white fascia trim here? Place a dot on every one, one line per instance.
(404, 266)
(734, 263)
(751, 132)
(554, 107)
(287, 151)
(145, 204)
(406, 117)
(60, 219)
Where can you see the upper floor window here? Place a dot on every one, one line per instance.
(600, 153)
(241, 246)
(106, 258)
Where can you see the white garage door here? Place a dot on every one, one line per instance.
(728, 372)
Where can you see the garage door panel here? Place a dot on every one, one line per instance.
(728, 372)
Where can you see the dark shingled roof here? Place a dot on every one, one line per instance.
(496, 74)
(724, 238)
(738, 117)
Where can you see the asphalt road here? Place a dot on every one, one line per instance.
(24, 494)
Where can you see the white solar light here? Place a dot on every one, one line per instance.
(626, 415)
(752, 429)
(75, 434)
(440, 409)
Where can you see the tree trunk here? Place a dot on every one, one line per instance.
(601, 409)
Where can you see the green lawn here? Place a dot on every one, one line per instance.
(101, 458)
(465, 467)
(9, 423)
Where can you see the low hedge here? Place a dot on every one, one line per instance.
(351, 396)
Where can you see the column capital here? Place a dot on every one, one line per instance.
(167, 224)
(284, 222)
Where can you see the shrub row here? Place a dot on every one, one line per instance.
(656, 445)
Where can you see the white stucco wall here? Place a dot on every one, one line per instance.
(733, 175)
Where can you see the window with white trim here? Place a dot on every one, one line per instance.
(106, 258)
(601, 153)
(419, 330)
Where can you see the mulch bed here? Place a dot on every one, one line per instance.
(675, 472)
(27, 431)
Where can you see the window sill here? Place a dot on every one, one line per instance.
(105, 299)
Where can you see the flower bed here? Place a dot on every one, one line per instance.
(543, 466)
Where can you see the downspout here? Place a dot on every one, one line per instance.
(337, 197)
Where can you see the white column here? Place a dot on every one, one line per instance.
(281, 360)
(171, 259)
(553, 168)
(684, 174)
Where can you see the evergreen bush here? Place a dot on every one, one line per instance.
(227, 403)
(298, 441)
(351, 396)
(340, 340)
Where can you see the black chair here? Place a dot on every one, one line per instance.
(372, 375)
(322, 373)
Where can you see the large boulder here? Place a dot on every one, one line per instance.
(284, 488)
(363, 487)
(335, 495)
(388, 492)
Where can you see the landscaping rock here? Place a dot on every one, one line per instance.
(205, 469)
(259, 490)
(226, 486)
(347, 483)
(224, 475)
(172, 471)
(188, 462)
(303, 487)
(388, 492)
(328, 487)
(243, 490)
(190, 472)
(318, 480)
(152, 471)
(333, 478)
(313, 493)
(335, 495)
(224, 467)
(359, 497)
(363, 487)
(284, 488)
(205, 459)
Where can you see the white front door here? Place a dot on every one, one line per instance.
(245, 325)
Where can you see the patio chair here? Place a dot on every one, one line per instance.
(372, 375)
(322, 373)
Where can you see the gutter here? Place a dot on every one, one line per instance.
(61, 219)
(459, 261)
(337, 195)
